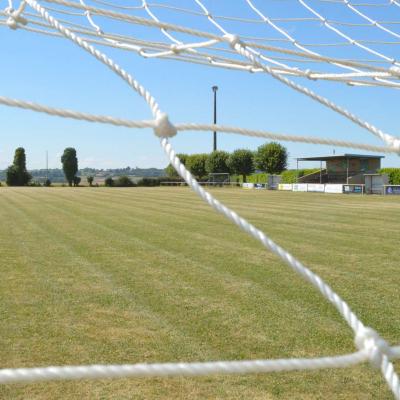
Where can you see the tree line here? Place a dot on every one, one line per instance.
(270, 158)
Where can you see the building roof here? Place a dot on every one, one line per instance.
(341, 157)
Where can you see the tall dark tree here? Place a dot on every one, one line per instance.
(196, 164)
(17, 174)
(70, 164)
(217, 162)
(241, 162)
(271, 158)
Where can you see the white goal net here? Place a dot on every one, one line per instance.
(294, 42)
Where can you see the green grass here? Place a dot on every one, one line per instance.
(97, 275)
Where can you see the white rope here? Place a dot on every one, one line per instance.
(373, 22)
(182, 127)
(293, 40)
(236, 44)
(19, 375)
(182, 29)
(175, 53)
(343, 35)
(165, 26)
(98, 55)
(370, 345)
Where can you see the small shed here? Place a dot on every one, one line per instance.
(374, 183)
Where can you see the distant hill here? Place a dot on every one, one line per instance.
(57, 175)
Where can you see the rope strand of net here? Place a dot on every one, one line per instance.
(181, 127)
(18, 375)
(181, 29)
(372, 21)
(345, 36)
(176, 54)
(388, 139)
(176, 51)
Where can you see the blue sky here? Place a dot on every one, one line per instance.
(58, 73)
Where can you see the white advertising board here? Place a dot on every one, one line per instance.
(248, 185)
(285, 186)
(299, 187)
(333, 188)
(316, 187)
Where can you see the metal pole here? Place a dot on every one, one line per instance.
(297, 170)
(347, 171)
(320, 172)
(47, 164)
(215, 88)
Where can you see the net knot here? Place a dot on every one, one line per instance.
(309, 74)
(395, 69)
(163, 127)
(175, 48)
(233, 40)
(368, 339)
(15, 18)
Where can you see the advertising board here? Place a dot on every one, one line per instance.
(285, 186)
(353, 189)
(392, 189)
(299, 187)
(333, 188)
(315, 187)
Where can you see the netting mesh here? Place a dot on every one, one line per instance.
(331, 40)
(292, 41)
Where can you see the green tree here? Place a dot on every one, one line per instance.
(271, 158)
(241, 162)
(217, 162)
(90, 180)
(171, 171)
(77, 180)
(17, 174)
(70, 164)
(109, 182)
(196, 164)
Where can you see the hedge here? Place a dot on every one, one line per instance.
(393, 173)
(149, 182)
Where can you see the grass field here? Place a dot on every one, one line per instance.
(97, 275)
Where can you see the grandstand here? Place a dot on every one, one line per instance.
(346, 168)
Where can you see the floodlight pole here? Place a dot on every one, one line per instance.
(47, 165)
(215, 88)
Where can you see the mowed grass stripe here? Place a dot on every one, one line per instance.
(128, 274)
(83, 265)
(197, 270)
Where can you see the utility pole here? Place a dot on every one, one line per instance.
(215, 88)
